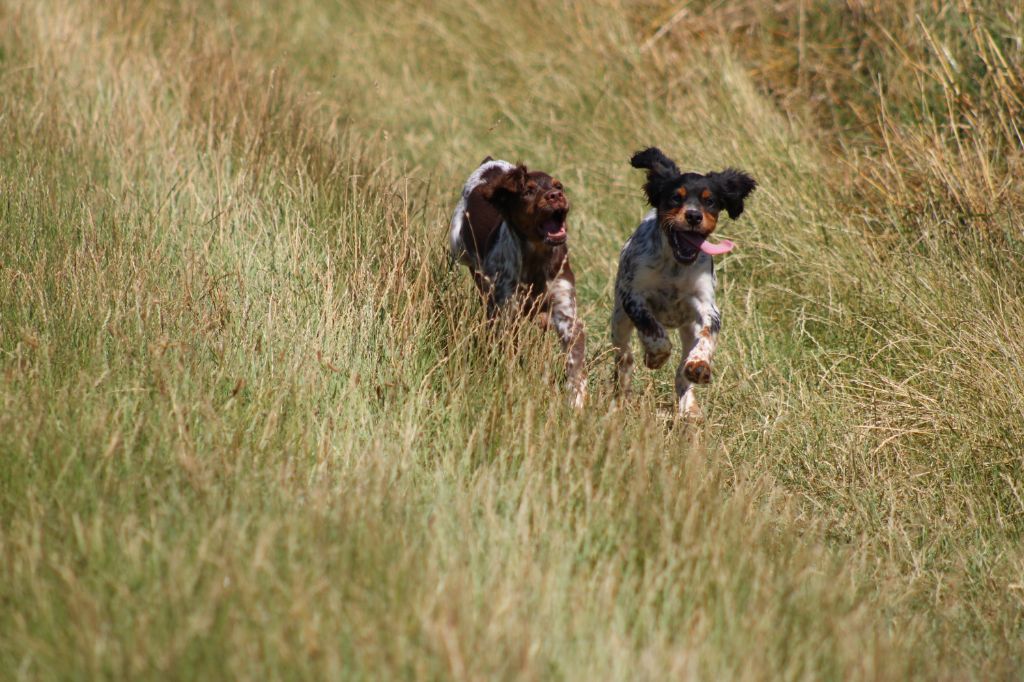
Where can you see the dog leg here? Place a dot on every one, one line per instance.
(686, 401)
(568, 326)
(622, 332)
(501, 269)
(698, 360)
(657, 347)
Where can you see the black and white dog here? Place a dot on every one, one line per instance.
(666, 277)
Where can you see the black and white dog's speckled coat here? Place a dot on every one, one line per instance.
(666, 277)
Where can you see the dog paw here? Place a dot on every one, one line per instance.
(698, 370)
(656, 353)
(577, 395)
(656, 360)
(689, 411)
(692, 415)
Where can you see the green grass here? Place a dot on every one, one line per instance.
(250, 425)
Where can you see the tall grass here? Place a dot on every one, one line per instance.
(250, 425)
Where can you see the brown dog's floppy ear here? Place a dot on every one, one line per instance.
(733, 188)
(504, 189)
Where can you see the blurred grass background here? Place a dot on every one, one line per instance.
(249, 426)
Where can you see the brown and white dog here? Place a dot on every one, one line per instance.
(509, 229)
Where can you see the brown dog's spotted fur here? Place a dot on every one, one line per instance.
(509, 229)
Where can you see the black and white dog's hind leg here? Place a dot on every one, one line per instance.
(622, 334)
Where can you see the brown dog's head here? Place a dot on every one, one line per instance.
(532, 202)
(688, 204)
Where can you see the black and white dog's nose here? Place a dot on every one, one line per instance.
(694, 217)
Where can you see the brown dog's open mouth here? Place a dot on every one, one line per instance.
(554, 227)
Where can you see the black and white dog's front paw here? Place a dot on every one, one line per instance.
(656, 352)
(698, 370)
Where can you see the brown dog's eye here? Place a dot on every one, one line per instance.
(558, 185)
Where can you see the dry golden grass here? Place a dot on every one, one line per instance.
(250, 426)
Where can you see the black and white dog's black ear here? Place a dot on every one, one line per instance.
(655, 161)
(505, 189)
(733, 187)
(661, 172)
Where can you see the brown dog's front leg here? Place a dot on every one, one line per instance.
(568, 326)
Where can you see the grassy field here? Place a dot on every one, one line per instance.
(250, 427)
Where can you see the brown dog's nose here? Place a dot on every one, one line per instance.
(555, 196)
(694, 217)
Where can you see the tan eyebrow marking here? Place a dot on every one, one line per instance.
(706, 194)
(682, 192)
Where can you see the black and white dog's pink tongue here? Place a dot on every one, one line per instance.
(724, 246)
(698, 241)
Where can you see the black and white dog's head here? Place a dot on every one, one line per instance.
(688, 204)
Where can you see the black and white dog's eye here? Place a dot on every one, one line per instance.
(710, 203)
